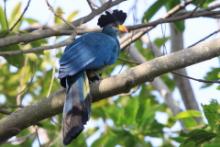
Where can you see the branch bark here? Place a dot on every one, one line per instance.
(25, 117)
(159, 85)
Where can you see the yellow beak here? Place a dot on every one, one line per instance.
(122, 28)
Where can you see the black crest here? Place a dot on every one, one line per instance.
(117, 16)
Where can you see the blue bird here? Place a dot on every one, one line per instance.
(91, 51)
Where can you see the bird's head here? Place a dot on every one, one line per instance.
(114, 19)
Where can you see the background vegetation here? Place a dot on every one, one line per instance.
(146, 115)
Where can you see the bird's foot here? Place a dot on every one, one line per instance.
(94, 77)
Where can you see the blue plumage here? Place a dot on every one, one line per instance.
(91, 51)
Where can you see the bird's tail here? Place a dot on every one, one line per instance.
(76, 108)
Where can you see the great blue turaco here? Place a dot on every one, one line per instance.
(91, 51)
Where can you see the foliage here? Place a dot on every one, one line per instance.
(127, 120)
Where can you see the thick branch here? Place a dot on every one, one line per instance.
(30, 115)
(158, 84)
(25, 117)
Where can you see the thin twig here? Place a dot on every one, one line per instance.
(197, 7)
(60, 17)
(182, 75)
(195, 79)
(38, 138)
(150, 26)
(90, 5)
(22, 14)
(128, 61)
(38, 49)
(204, 38)
(177, 8)
(176, 18)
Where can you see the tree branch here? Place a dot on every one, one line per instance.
(41, 48)
(25, 117)
(21, 16)
(62, 29)
(159, 85)
(56, 30)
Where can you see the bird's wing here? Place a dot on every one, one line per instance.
(91, 51)
(75, 58)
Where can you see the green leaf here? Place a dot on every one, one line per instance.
(187, 117)
(149, 13)
(101, 141)
(171, 3)
(161, 41)
(59, 12)
(188, 114)
(213, 74)
(72, 15)
(98, 109)
(168, 81)
(212, 145)
(16, 12)
(202, 4)
(144, 51)
(188, 144)
(212, 113)
(15, 60)
(3, 23)
(198, 137)
(30, 20)
(79, 141)
(180, 25)
(131, 110)
(38, 43)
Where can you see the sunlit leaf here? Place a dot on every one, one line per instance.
(72, 15)
(3, 23)
(59, 12)
(16, 12)
(188, 114)
(30, 20)
(212, 75)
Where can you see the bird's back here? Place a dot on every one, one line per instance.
(88, 52)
